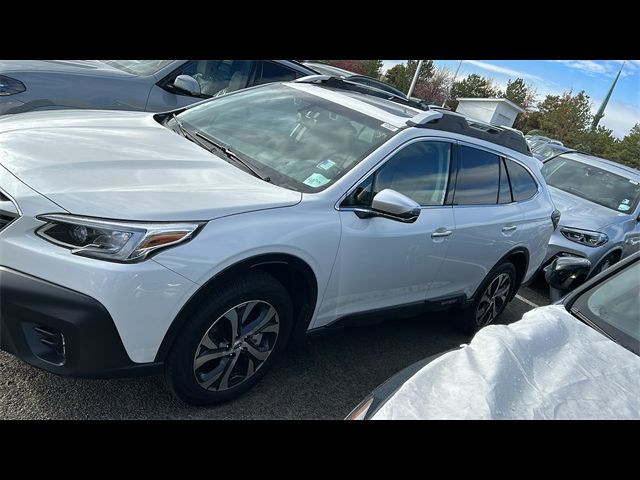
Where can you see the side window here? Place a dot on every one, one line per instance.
(217, 77)
(419, 171)
(478, 177)
(273, 72)
(504, 195)
(522, 185)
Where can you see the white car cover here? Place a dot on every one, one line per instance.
(549, 365)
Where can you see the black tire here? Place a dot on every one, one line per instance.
(468, 321)
(180, 370)
(605, 263)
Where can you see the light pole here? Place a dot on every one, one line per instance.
(452, 81)
(415, 79)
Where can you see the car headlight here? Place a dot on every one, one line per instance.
(10, 86)
(584, 237)
(112, 240)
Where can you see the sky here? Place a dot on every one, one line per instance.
(553, 77)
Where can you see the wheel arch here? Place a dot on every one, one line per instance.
(294, 273)
(519, 257)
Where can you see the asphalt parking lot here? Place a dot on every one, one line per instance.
(323, 379)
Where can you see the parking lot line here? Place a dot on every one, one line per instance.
(528, 302)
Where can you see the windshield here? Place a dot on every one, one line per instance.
(592, 183)
(138, 67)
(614, 306)
(300, 141)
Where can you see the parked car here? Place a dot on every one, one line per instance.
(535, 141)
(574, 360)
(324, 69)
(600, 205)
(544, 151)
(203, 239)
(145, 85)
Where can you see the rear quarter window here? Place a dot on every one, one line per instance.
(523, 186)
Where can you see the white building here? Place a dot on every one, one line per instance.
(497, 111)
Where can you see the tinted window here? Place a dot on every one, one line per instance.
(273, 72)
(522, 185)
(419, 171)
(478, 178)
(505, 190)
(217, 77)
(614, 305)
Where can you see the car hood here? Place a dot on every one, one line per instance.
(84, 67)
(549, 365)
(124, 165)
(581, 213)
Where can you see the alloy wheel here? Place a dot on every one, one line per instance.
(493, 300)
(236, 345)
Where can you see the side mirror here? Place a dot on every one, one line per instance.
(187, 84)
(566, 273)
(393, 205)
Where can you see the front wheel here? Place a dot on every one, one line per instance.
(491, 299)
(231, 341)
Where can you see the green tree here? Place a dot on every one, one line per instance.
(401, 75)
(566, 117)
(627, 150)
(472, 86)
(519, 93)
(600, 142)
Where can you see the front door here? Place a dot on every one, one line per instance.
(384, 263)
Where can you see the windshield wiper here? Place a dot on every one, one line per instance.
(230, 154)
(196, 136)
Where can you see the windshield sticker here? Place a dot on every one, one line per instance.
(388, 126)
(316, 180)
(626, 201)
(326, 164)
(623, 207)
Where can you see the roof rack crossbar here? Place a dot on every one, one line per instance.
(457, 123)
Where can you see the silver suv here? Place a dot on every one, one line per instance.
(202, 240)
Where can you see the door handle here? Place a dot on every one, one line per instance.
(510, 228)
(441, 232)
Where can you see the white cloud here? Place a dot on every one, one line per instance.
(618, 116)
(503, 70)
(607, 68)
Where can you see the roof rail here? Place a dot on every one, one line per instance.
(457, 123)
(424, 117)
(344, 84)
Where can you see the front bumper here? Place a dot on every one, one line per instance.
(60, 330)
(561, 246)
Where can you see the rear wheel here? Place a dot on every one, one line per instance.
(231, 341)
(491, 299)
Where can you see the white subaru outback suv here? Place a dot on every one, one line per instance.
(202, 241)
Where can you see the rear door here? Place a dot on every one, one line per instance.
(488, 222)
